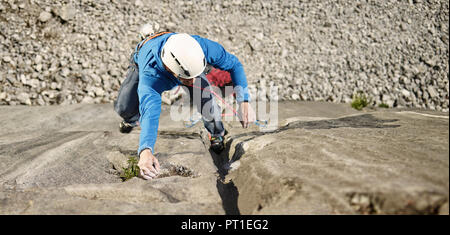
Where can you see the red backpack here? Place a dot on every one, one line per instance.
(219, 78)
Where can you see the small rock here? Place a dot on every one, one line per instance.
(24, 79)
(405, 80)
(34, 83)
(405, 93)
(65, 72)
(138, 3)
(401, 102)
(432, 92)
(387, 99)
(425, 96)
(259, 36)
(404, 26)
(7, 59)
(38, 67)
(24, 98)
(66, 12)
(45, 16)
(38, 59)
(40, 100)
(87, 100)
(171, 25)
(85, 64)
(101, 45)
(53, 85)
(13, 6)
(99, 92)
(430, 62)
(255, 45)
(118, 160)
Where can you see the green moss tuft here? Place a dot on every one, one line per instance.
(383, 105)
(359, 101)
(132, 170)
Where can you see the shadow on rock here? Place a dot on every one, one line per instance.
(227, 190)
(361, 121)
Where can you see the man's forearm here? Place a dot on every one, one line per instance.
(150, 109)
(240, 83)
(147, 137)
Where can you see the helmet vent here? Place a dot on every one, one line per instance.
(186, 72)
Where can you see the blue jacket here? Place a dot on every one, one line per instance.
(154, 79)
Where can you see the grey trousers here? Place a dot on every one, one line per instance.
(204, 101)
(127, 102)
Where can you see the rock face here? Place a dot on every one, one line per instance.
(371, 163)
(396, 52)
(322, 158)
(69, 163)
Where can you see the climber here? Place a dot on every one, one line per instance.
(166, 60)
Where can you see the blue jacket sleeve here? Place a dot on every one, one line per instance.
(219, 58)
(149, 92)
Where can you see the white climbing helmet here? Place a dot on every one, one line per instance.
(184, 56)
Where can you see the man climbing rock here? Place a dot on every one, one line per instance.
(166, 60)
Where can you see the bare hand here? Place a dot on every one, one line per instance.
(247, 115)
(148, 164)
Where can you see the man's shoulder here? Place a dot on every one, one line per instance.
(155, 44)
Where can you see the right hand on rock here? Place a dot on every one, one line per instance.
(148, 164)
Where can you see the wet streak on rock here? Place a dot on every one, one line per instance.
(169, 197)
(52, 139)
(360, 121)
(30, 148)
(176, 135)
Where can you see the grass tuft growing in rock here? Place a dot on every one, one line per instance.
(383, 105)
(359, 101)
(132, 170)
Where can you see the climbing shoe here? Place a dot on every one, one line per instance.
(217, 144)
(125, 127)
